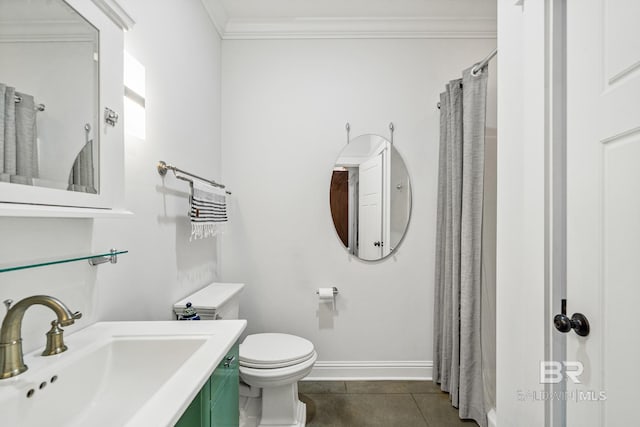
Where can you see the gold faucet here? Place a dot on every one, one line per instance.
(11, 357)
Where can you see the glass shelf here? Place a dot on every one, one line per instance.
(98, 258)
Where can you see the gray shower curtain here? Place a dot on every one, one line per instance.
(457, 364)
(18, 143)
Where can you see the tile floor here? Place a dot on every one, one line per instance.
(378, 404)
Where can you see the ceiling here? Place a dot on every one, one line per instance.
(352, 18)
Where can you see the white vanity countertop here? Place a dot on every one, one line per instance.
(135, 374)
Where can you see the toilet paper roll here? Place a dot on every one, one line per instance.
(327, 297)
(325, 293)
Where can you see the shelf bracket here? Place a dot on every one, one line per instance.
(113, 258)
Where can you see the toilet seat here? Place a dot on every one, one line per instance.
(276, 377)
(273, 351)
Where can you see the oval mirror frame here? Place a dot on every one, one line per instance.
(370, 197)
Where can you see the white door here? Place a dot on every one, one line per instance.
(370, 209)
(603, 209)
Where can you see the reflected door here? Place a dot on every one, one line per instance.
(339, 201)
(370, 209)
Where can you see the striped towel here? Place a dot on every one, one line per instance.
(208, 211)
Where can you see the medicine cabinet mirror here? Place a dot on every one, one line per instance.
(49, 95)
(370, 197)
(61, 68)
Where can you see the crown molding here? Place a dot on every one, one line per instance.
(337, 28)
(217, 14)
(44, 31)
(118, 14)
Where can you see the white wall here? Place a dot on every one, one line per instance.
(180, 49)
(285, 104)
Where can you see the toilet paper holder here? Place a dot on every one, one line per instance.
(335, 291)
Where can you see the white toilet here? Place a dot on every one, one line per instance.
(271, 364)
(274, 363)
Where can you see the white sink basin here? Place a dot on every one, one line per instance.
(118, 374)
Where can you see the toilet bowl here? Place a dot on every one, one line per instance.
(271, 365)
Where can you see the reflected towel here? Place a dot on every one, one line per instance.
(19, 158)
(81, 174)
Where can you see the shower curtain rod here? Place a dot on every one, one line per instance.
(478, 66)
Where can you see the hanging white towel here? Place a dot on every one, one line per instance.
(208, 211)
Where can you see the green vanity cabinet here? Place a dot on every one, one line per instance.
(217, 403)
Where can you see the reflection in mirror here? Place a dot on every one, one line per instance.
(48, 96)
(82, 173)
(370, 197)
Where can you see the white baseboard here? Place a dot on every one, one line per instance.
(367, 371)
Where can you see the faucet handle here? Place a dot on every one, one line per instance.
(7, 303)
(55, 340)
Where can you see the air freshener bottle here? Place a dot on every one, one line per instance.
(189, 313)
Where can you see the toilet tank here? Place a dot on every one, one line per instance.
(216, 301)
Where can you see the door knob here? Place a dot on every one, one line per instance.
(578, 322)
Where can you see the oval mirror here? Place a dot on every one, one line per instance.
(49, 94)
(370, 197)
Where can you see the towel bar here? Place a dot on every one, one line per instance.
(163, 167)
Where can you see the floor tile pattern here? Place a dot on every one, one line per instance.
(378, 404)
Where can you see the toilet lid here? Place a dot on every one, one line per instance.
(274, 350)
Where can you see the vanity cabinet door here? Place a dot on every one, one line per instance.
(198, 414)
(217, 403)
(225, 410)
